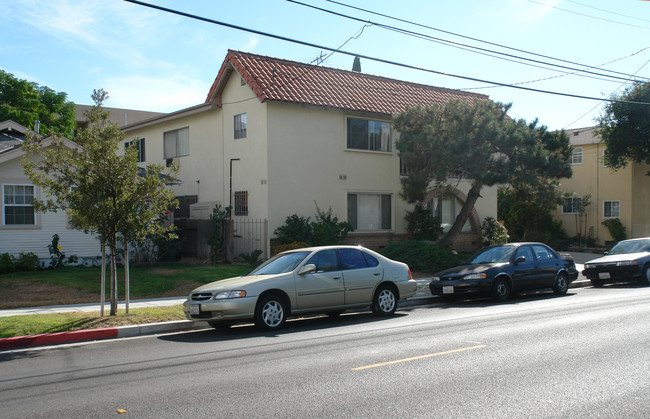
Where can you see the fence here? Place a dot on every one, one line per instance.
(244, 236)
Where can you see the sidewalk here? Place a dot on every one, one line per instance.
(422, 297)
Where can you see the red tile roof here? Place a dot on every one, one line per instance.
(280, 80)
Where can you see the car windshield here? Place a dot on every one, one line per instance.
(498, 254)
(631, 246)
(285, 262)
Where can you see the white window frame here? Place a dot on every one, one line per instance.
(614, 205)
(577, 155)
(382, 213)
(240, 126)
(141, 148)
(573, 204)
(176, 143)
(382, 144)
(23, 205)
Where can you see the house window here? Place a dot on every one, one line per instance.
(369, 212)
(366, 134)
(612, 209)
(17, 201)
(446, 209)
(571, 205)
(241, 203)
(576, 156)
(240, 126)
(140, 145)
(176, 143)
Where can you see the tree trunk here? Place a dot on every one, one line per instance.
(113, 247)
(473, 194)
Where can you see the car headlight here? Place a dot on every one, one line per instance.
(475, 276)
(229, 294)
(626, 263)
(436, 279)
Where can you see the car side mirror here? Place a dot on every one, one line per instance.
(520, 259)
(310, 267)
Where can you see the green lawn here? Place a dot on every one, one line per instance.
(73, 285)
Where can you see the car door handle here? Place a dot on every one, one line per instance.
(336, 277)
(376, 273)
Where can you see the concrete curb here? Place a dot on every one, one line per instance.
(46, 339)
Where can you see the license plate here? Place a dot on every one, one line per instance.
(448, 289)
(195, 309)
(603, 275)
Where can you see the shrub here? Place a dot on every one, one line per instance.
(494, 232)
(295, 229)
(252, 259)
(421, 224)
(616, 229)
(327, 228)
(422, 256)
(27, 262)
(216, 231)
(7, 263)
(289, 246)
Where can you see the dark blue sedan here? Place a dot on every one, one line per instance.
(499, 271)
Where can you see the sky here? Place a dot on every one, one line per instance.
(152, 60)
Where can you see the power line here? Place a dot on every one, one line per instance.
(483, 51)
(471, 38)
(586, 15)
(607, 11)
(367, 57)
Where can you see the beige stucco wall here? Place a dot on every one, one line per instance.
(201, 172)
(629, 185)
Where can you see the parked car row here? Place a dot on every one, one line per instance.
(332, 279)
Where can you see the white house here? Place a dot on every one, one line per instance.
(22, 228)
(275, 137)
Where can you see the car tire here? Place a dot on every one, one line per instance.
(645, 275)
(384, 302)
(597, 283)
(561, 285)
(500, 290)
(270, 312)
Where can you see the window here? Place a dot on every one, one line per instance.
(526, 252)
(17, 201)
(356, 259)
(140, 145)
(571, 205)
(240, 126)
(325, 261)
(447, 209)
(241, 203)
(176, 143)
(576, 156)
(184, 204)
(365, 134)
(612, 209)
(369, 212)
(542, 253)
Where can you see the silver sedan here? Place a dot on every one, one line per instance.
(327, 279)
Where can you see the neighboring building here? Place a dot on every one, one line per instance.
(21, 228)
(121, 117)
(276, 137)
(622, 194)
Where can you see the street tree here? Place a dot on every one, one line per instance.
(477, 142)
(26, 102)
(624, 127)
(104, 191)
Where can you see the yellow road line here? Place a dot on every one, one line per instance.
(415, 358)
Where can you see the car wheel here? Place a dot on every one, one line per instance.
(596, 283)
(220, 325)
(384, 303)
(500, 290)
(270, 313)
(561, 285)
(645, 276)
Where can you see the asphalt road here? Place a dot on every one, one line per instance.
(586, 354)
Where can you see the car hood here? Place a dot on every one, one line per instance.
(463, 270)
(617, 258)
(236, 283)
